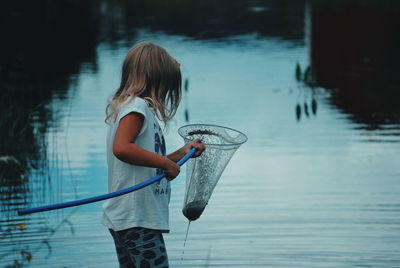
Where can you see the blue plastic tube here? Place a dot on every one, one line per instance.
(105, 196)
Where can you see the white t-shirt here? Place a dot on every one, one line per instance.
(147, 207)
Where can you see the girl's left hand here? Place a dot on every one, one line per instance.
(196, 143)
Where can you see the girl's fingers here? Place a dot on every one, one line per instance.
(200, 147)
(196, 143)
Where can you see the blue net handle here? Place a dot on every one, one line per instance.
(105, 196)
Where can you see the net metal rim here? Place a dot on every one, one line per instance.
(180, 132)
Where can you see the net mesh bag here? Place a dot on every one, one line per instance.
(203, 172)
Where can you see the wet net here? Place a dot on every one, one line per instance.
(203, 172)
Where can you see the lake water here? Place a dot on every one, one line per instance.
(316, 189)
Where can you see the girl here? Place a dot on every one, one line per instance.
(150, 87)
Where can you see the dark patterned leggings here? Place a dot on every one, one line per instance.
(140, 248)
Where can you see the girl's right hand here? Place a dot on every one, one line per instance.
(172, 169)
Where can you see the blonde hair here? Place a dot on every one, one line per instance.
(151, 73)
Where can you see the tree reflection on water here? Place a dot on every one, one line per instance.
(45, 44)
(355, 54)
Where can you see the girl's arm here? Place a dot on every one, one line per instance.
(196, 143)
(125, 150)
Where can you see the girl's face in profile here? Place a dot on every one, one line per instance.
(178, 63)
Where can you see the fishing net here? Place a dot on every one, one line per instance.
(203, 172)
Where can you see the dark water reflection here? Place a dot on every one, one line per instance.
(355, 51)
(328, 137)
